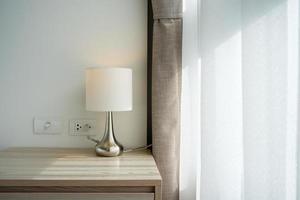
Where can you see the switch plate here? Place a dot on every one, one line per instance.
(79, 127)
(47, 126)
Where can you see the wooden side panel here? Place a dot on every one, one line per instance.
(158, 192)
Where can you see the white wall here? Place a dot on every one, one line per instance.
(45, 47)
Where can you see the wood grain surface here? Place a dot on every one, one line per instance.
(58, 170)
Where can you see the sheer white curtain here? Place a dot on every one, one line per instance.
(240, 100)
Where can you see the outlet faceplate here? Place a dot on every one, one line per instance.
(45, 126)
(82, 127)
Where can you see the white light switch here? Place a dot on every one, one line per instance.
(47, 126)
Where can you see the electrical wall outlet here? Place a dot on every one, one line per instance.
(82, 127)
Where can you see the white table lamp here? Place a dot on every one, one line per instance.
(108, 89)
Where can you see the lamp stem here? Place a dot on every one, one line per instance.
(109, 146)
(109, 128)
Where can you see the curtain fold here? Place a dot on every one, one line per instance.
(166, 92)
(167, 9)
(241, 82)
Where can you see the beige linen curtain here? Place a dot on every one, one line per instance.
(166, 89)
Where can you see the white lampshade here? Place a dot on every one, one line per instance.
(108, 89)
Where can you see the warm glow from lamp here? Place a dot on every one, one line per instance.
(108, 89)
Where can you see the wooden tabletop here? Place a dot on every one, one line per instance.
(75, 167)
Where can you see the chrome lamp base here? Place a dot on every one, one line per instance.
(108, 146)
